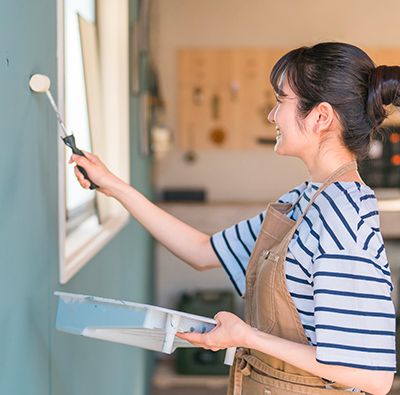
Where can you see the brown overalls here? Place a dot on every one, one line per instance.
(270, 308)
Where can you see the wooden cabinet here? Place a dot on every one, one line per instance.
(224, 95)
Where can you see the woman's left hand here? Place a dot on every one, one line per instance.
(230, 331)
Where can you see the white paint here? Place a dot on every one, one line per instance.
(39, 83)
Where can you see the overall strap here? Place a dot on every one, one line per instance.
(297, 200)
(346, 168)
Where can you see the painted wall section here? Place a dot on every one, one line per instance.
(35, 358)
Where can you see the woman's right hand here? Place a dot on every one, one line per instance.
(97, 172)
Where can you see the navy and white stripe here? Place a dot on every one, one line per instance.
(336, 272)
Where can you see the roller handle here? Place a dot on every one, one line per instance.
(69, 141)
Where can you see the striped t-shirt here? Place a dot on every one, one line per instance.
(336, 272)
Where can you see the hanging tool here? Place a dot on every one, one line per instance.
(217, 134)
(41, 84)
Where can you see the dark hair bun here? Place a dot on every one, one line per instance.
(384, 89)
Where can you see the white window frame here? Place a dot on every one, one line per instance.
(80, 245)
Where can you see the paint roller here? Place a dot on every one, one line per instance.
(41, 84)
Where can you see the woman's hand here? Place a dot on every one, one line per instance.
(97, 172)
(230, 331)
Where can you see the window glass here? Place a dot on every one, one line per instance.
(78, 200)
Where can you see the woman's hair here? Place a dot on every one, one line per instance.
(345, 77)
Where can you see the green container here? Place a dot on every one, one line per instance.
(198, 361)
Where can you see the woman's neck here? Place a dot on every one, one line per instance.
(321, 166)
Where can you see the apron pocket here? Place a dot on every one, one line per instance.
(263, 309)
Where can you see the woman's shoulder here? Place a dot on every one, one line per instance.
(294, 193)
(349, 198)
(350, 203)
(351, 209)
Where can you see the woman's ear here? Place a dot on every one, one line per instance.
(323, 117)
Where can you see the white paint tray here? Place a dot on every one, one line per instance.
(135, 324)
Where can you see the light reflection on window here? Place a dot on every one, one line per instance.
(76, 110)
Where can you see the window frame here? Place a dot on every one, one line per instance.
(80, 243)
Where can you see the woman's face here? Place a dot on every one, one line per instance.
(291, 139)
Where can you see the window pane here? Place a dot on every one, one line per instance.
(76, 110)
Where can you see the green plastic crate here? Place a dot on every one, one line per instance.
(198, 361)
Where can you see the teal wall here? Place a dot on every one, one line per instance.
(34, 358)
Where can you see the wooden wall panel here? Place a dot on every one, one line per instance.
(224, 95)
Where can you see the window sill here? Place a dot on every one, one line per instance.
(86, 241)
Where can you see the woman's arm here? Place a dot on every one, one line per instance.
(304, 357)
(187, 243)
(184, 241)
(231, 331)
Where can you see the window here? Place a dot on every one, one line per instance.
(80, 204)
(93, 96)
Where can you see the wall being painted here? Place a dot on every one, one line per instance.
(35, 359)
(250, 175)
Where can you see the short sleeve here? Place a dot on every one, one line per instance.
(353, 309)
(234, 245)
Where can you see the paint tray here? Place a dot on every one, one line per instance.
(135, 324)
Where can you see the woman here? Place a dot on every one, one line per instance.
(312, 267)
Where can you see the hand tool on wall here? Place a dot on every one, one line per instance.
(41, 84)
(217, 135)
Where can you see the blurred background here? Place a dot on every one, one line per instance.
(212, 61)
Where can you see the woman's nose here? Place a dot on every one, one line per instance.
(271, 115)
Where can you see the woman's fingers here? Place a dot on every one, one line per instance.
(96, 171)
(86, 164)
(198, 340)
(191, 337)
(229, 331)
(82, 180)
(81, 160)
(78, 174)
(92, 157)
